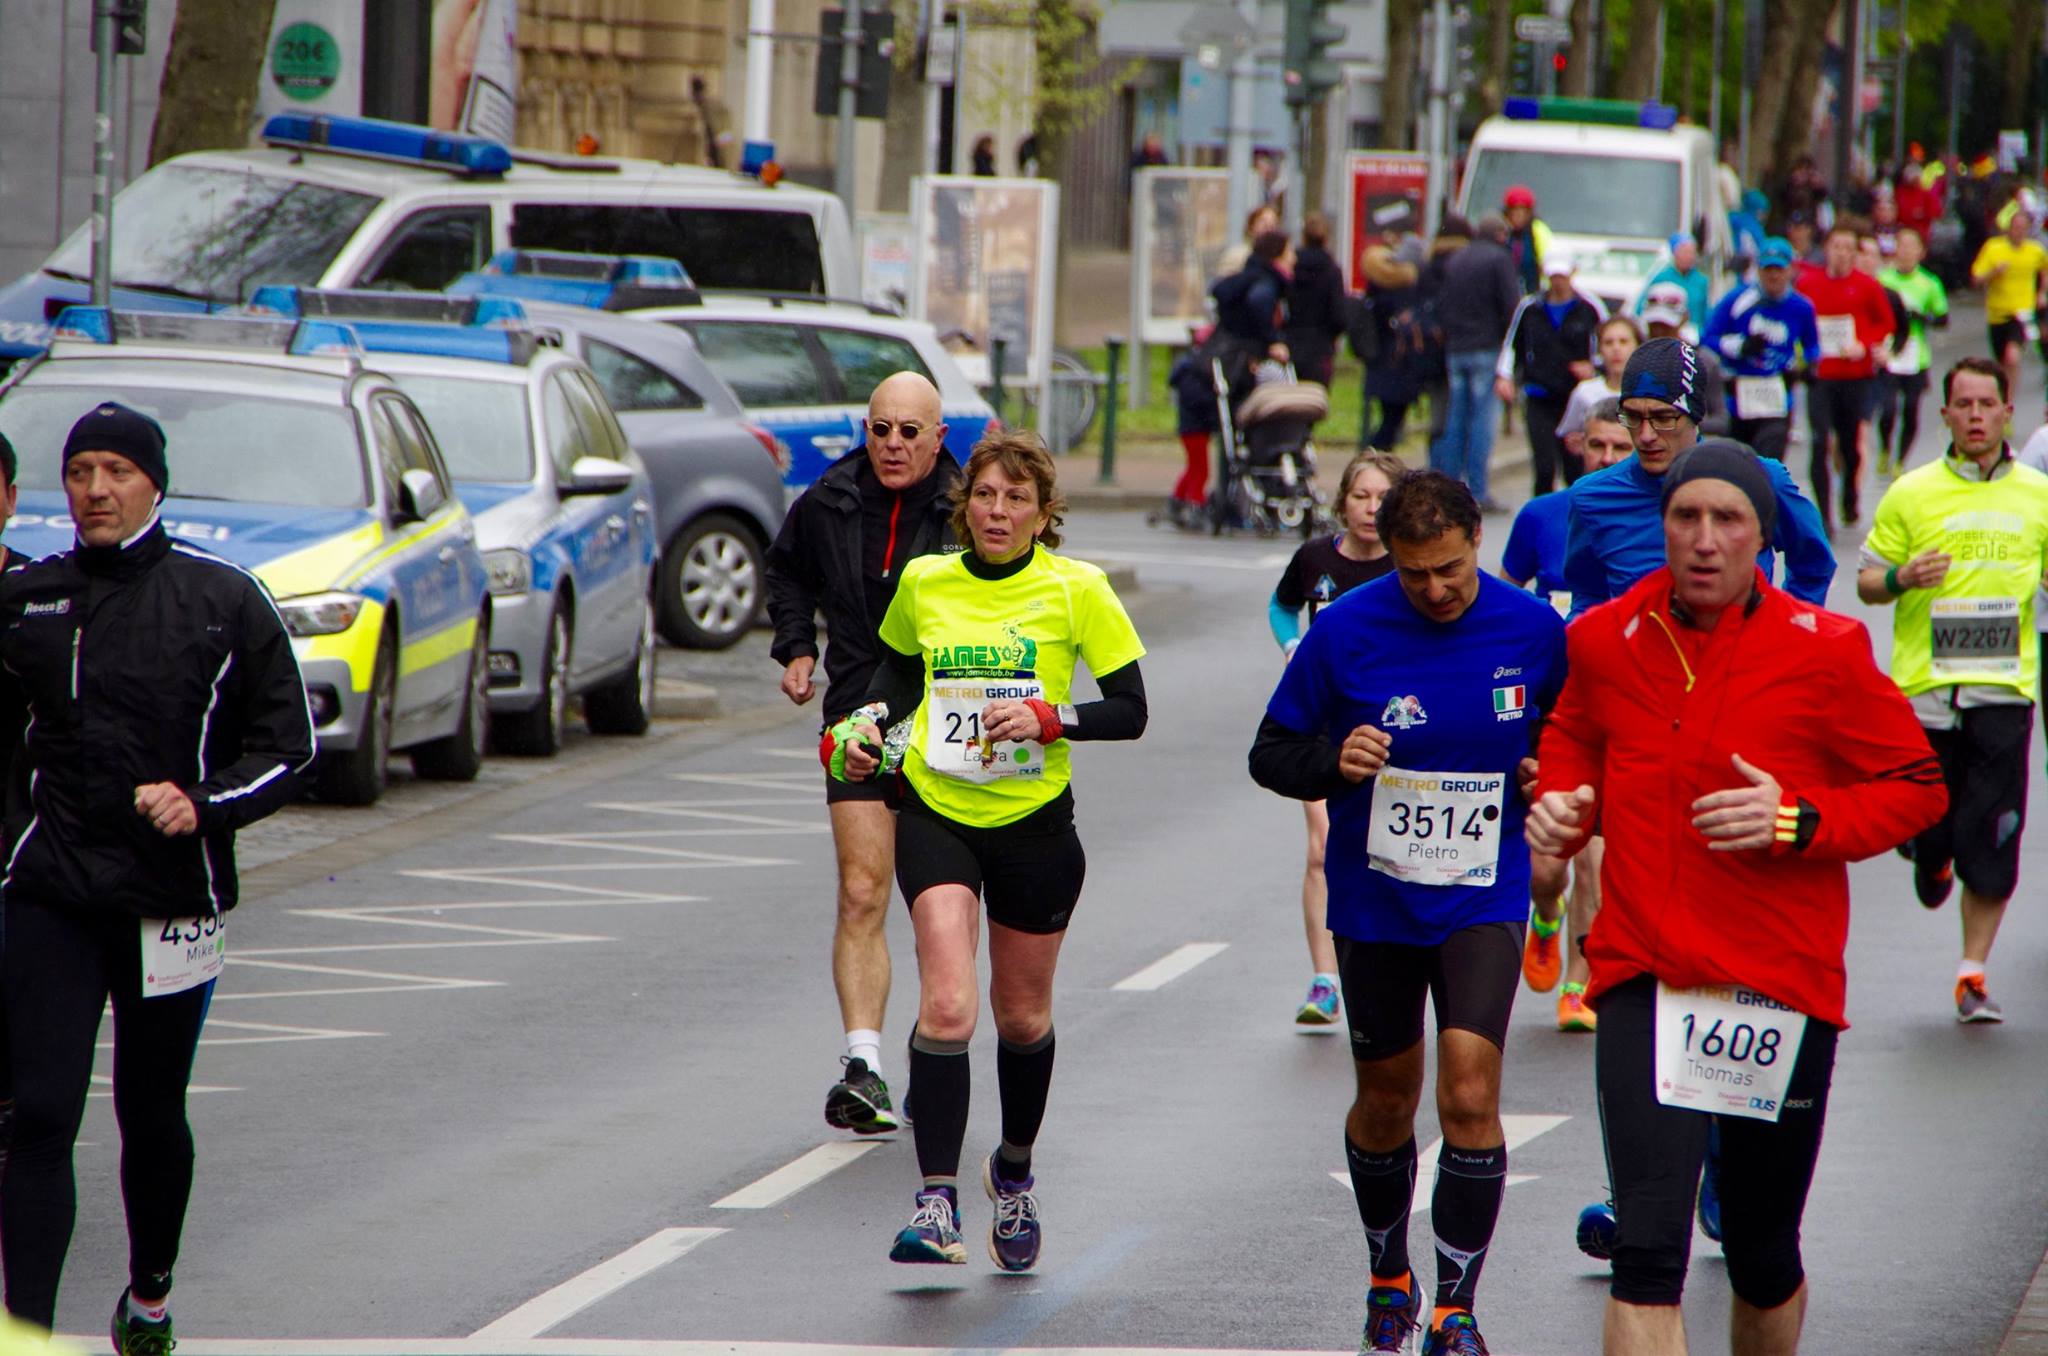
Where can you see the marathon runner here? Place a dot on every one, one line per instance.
(1904, 381)
(2013, 271)
(1411, 707)
(1740, 747)
(842, 549)
(1959, 548)
(1536, 548)
(975, 690)
(1763, 330)
(1614, 536)
(1320, 572)
(1855, 325)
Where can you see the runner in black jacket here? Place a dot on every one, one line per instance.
(841, 550)
(164, 711)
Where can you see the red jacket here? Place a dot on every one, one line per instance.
(1795, 691)
(1918, 207)
(1858, 295)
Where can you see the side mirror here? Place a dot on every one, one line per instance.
(596, 476)
(419, 495)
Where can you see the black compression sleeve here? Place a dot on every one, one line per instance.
(1294, 764)
(898, 681)
(1121, 714)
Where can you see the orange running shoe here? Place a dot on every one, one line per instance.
(1572, 1012)
(1542, 958)
(1973, 1003)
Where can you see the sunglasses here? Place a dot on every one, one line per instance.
(1664, 421)
(909, 428)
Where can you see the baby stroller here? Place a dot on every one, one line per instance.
(1268, 483)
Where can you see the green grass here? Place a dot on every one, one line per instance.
(1157, 417)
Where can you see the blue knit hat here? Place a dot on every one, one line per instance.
(1667, 370)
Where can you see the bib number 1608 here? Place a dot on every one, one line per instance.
(1742, 1042)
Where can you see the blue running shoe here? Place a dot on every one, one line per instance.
(1596, 1231)
(1459, 1336)
(1014, 1235)
(1320, 1007)
(1391, 1320)
(933, 1234)
(1710, 1186)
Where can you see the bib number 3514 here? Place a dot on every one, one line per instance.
(182, 953)
(1436, 828)
(1725, 1050)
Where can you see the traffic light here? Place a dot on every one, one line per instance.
(1522, 69)
(1308, 72)
(131, 33)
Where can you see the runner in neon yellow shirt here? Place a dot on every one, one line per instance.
(1959, 547)
(1903, 382)
(978, 666)
(2013, 271)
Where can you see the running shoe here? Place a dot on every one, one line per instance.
(1596, 1231)
(1014, 1235)
(1459, 1336)
(1973, 1004)
(138, 1337)
(933, 1234)
(1572, 1012)
(1710, 1186)
(1542, 959)
(1320, 1007)
(1932, 881)
(1391, 1321)
(860, 1101)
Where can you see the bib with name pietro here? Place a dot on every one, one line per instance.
(991, 640)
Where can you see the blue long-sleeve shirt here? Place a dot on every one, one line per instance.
(1785, 325)
(1615, 536)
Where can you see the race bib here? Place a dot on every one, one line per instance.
(1760, 398)
(1837, 332)
(1725, 1050)
(182, 953)
(954, 743)
(1436, 828)
(1975, 636)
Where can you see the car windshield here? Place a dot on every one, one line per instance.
(1580, 194)
(220, 233)
(763, 250)
(242, 447)
(480, 425)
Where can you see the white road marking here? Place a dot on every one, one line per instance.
(106, 1081)
(393, 983)
(807, 755)
(1519, 1130)
(600, 1346)
(1171, 966)
(803, 784)
(790, 1178)
(544, 1311)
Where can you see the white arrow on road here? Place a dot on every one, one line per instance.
(1519, 1129)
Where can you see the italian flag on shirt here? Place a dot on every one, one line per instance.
(1510, 698)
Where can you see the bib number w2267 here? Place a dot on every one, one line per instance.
(955, 743)
(182, 953)
(1436, 828)
(1725, 1050)
(1974, 636)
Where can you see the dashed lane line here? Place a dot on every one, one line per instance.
(779, 1185)
(579, 1292)
(1170, 967)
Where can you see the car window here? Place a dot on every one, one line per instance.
(773, 250)
(389, 447)
(632, 384)
(601, 431)
(431, 249)
(767, 365)
(567, 437)
(481, 426)
(1578, 194)
(863, 360)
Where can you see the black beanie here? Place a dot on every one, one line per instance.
(1667, 370)
(1726, 459)
(113, 427)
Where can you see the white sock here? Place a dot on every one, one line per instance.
(1969, 968)
(147, 1313)
(866, 1045)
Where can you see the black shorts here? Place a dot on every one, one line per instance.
(1469, 977)
(1984, 762)
(1029, 873)
(1654, 1153)
(2003, 332)
(883, 789)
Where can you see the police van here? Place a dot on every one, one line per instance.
(1614, 181)
(362, 203)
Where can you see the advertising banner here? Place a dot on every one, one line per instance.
(1180, 227)
(984, 268)
(474, 84)
(314, 63)
(1384, 192)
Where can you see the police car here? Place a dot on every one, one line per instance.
(294, 458)
(363, 203)
(564, 513)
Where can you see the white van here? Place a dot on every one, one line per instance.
(1613, 182)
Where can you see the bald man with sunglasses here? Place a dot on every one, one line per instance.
(840, 552)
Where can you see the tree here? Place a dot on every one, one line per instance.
(1404, 61)
(1578, 62)
(208, 95)
(1779, 122)
(1641, 61)
(1500, 51)
(903, 130)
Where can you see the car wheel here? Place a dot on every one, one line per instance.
(460, 756)
(538, 732)
(710, 583)
(625, 705)
(357, 776)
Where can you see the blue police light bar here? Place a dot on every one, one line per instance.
(431, 308)
(1604, 112)
(606, 282)
(400, 142)
(324, 339)
(103, 325)
(84, 325)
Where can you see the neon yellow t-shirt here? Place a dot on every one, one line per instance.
(2012, 292)
(988, 640)
(1977, 625)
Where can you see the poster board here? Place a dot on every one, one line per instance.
(1180, 228)
(985, 263)
(1382, 189)
(473, 85)
(887, 255)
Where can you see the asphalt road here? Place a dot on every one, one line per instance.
(539, 1068)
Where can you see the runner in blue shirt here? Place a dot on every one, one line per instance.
(1411, 706)
(1760, 332)
(1536, 543)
